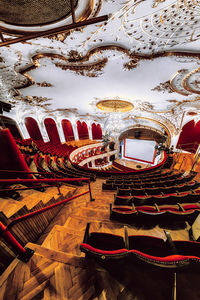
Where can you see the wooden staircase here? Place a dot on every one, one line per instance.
(58, 270)
(31, 229)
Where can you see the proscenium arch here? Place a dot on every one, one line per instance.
(142, 132)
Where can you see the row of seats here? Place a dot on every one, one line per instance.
(140, 180)
(140, 248)
(88, 153)
(156, 213)
(52, 171)
(25, 142)
(27, 147)
(67, 166)
(58, 149)
(28, 159)
(162, 190)
(184, 197)
(150, 173)
(162, 183)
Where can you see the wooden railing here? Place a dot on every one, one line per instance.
(24, 253)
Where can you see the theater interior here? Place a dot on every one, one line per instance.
(99, 149)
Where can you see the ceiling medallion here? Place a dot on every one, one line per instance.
(115, 105)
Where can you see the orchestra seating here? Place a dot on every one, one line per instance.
(141, 248)
(154, 213)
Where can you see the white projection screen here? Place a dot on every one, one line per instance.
(141, 150)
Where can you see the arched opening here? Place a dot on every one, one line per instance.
(82, 130)
(67, 130)
(33, 128)
(96, 131)
(189, 137)
(52, 130)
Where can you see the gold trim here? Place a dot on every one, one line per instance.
(86, 13)
(40, 24)
(115, 105)
(185, 81)
(173, 87)
(164, 126)
(73, 63)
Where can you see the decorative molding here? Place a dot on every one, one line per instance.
(114, 105)
(163, 87)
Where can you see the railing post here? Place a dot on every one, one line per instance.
(181, 163)
(24, 254)
(196, 160)
(57, 185)
(91, 199)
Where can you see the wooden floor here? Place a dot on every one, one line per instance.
(58, 270)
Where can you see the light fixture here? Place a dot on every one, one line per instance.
(116, 107)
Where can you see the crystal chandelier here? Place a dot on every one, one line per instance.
(114, 124)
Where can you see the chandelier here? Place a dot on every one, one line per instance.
(114, 124)
(116, 108)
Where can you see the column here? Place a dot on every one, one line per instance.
(23, 130)
(60, 131)
(89, 130)
(74, 126)
(43, 131)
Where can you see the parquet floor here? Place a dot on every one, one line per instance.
(59, 271)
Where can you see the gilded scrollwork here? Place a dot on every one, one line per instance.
(163, 87)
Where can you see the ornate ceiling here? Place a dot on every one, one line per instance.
(147, 54)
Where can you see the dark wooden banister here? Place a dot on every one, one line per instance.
(33, 173)
(42, 210)
(25, 254)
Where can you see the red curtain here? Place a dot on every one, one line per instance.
(82, 130)
(197, 132)
(68, 130)
(189, 137)
(33, 128)
(11, 157)
(99, 130)
(52, 130)
(96, 131)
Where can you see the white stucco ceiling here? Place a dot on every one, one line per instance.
(141, 54)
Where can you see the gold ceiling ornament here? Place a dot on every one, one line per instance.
(115, 105)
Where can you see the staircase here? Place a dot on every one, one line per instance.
(58, 270)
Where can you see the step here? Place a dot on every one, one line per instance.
(10, 207)
(49, 274)
(95, 214)
(63, 240)
(78, 222)
(98, 205)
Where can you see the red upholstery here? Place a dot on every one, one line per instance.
(33, 128)
(11, 157)
(68, 130)
(82, 130)
(52, 130)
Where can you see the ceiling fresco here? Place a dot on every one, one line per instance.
(147, 54)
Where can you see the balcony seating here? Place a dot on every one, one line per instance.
(38, 162)
(130, 213)
(55, 149)
(69, 168)
(140, 248)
